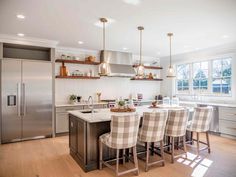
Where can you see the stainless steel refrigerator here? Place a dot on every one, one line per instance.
(26, 99)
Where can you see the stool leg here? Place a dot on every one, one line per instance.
(147, 156)
(135, 159)
(198, 143)
(117, 162)
(162, 152)
(184, 144)
(100, 155)
(123, 156)
(172, 149)
(208, 142)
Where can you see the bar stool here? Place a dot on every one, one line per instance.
(152, 131)
(176, 128)
(123, 135)
(200, 124)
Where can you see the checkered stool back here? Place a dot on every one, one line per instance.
(201, 119)
(177, 123)
(153, 126)
(124, 131)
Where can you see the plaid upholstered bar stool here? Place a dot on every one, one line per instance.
(200, 123)
(123, 135)
(152, 131)
(176, 128)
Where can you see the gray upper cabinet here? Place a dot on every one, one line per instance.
(26, 52)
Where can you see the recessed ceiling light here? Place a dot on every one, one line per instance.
(108, 23)
(125, 48)
(20, 16)
(80, 42)
(225, 36)
(21, 34)
(132, 2)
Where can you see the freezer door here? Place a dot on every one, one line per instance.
(11, 98)
(36, 99)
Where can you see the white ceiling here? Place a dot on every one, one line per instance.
(196, 24)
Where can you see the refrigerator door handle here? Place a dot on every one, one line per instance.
(24, 100)
(18, 99)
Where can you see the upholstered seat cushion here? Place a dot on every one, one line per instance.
(105, 139)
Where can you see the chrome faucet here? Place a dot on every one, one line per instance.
(90, 103)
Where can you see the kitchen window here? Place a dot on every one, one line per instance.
(221, 76)
(183, 78)
(211, 77)
(200, 76)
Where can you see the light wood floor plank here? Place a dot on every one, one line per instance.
(50, 158)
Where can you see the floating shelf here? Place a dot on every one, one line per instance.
(76, 77)
(149, 67)
(146, 79)
(77, 62)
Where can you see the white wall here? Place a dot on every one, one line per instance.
(110, 87)
(168, 85)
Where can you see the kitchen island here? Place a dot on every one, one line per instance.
(85, 127)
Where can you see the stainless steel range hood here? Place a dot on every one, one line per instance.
(120, 63)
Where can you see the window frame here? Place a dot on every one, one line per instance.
(209, 91)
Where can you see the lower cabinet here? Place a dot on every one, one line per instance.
(83, 142)
(227, 121)
(61, 121)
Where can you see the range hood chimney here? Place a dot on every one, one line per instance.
(120, 63)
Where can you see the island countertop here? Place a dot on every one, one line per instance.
(101, 115)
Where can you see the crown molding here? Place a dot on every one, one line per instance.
(5, 38)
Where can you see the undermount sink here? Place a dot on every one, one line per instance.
(87, 112)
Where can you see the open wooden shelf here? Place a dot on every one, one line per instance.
(77, 62)
(146, 79)
(149, 67)
(76, 77)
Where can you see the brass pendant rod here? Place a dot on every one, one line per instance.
(104, 37)
(140, 28)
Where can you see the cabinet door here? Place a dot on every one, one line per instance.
(81, 146)
(228, 127)
(73, 133)
(62, 122)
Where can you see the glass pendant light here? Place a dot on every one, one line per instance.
(104, 67)
(171, 70)
(140, 68)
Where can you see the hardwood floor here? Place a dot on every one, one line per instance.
(50, 158)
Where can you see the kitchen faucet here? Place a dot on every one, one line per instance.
(90, 103)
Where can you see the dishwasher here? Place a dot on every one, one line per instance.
(214, 125)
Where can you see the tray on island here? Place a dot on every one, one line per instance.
(122, 109)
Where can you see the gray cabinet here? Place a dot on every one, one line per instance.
(62, 116)
(227, 121)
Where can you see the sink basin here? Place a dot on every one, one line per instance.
(88, 112)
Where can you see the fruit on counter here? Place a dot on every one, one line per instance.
(154, 103)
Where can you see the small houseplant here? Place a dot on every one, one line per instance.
(73, 99)
(121, 104)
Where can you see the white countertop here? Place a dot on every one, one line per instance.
(78, 104)
(101, 115)
(210, 104)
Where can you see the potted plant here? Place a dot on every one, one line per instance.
(121, 104)
(73, 99)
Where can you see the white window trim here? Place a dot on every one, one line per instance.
(210, 66)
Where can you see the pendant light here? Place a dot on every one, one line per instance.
(170, 71)
(104, 67)
(140, 68)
